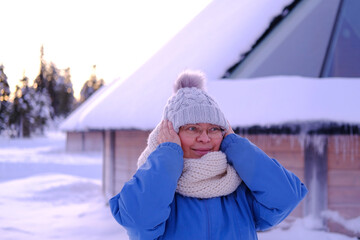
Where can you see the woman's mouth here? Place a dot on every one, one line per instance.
(202, 151)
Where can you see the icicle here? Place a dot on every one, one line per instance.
(336, 140)
(301, 139)
(352, 147)
(343, 149)
(292, 142)
(356, 152)
(318, 141)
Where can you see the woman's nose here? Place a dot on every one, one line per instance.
(203, 137)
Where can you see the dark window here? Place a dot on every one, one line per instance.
(344, 52)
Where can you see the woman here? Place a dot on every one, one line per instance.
(198, 180)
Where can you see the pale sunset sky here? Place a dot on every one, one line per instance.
(117, 36)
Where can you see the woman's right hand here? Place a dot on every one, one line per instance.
(167, 133)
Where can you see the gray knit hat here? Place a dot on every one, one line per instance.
(190, 104)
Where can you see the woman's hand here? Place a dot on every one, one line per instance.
(167, 133)
(229, 130)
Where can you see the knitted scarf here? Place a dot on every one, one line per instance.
(205, 177)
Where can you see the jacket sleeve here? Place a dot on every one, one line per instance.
(143, 205)
(275, 191)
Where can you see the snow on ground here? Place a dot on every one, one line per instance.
(46, 193)
(55, 206)
(299, 231)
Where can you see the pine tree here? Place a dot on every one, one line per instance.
(21, 115)
(40, 81)
(52, 77)
(4, 100)
(56, 86)
(41, 110)
(65, 93)
(44, 93)
(60, 90)
(90, 86)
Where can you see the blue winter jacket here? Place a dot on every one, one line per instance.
(149, 208)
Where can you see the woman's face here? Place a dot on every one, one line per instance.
(199, 139)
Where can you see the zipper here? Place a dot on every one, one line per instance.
(208, 219)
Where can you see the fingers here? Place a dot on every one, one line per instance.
(170, 126)
(229, 130)
(161, 136)
(167, 133)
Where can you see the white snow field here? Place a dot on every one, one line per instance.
(46, 193)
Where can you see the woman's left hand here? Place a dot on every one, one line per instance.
(229, 130)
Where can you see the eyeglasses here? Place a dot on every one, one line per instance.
(213, 132)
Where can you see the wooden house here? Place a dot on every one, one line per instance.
(271, 67)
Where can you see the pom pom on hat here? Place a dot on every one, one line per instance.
(188, 79)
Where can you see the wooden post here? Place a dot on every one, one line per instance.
(109, 164)
(316, 178)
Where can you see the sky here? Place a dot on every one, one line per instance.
(116, 36)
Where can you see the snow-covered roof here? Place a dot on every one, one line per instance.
(287, 99)
(245, 102)
(211, 42)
